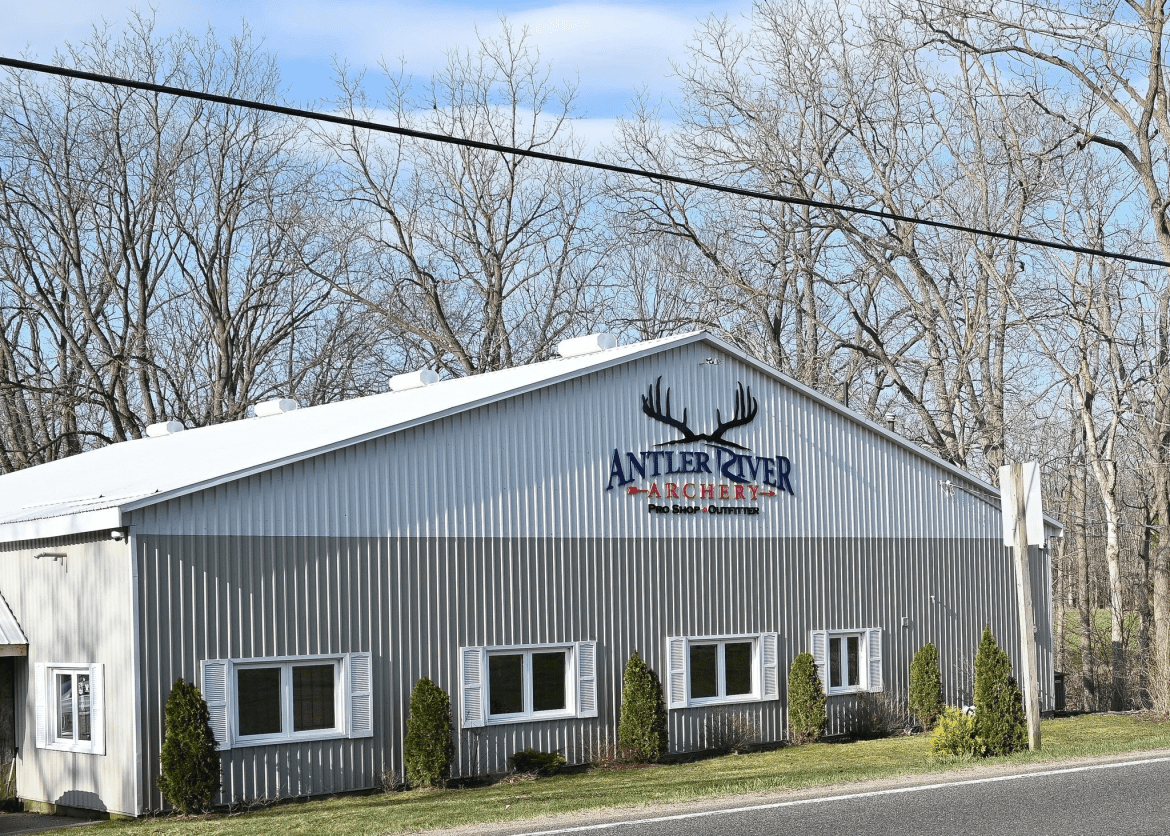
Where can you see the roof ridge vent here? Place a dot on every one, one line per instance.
(164, 428)
(276, 406)
(413, 380)
(589, 344)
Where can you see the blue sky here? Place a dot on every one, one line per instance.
(614, 49)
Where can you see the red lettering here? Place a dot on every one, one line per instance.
(724, 493)
(755, 489)
(654, 490)
(707, 492)
(739, 491)
(671, 490)
(690, 495)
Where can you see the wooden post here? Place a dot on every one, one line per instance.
(1029, 676)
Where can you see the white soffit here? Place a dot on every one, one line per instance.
(12, 638)
(133, 474)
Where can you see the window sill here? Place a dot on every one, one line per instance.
(76, 748)
(506, 719)
(277, 739)
(844, 692)
(702, 702)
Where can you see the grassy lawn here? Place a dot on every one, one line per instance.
(788, 768)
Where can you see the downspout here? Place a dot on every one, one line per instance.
(136, 668)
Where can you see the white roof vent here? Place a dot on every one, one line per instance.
(413, 380)
(164, 428)
(586, 345)
(276, 406)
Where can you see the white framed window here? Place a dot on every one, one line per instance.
(289, 699)
(705, 670)
(527, 683)
(70, 707)
(848, 661)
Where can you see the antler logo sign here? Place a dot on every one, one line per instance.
(746, 408)
(724, 472)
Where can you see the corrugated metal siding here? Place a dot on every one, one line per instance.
(537, 466)
(76, 610)
(494, 527)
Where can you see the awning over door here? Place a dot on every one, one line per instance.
(12, 639)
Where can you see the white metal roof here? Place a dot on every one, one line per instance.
(91, 491)
(12, 638)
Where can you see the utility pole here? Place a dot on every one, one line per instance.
(1021, 506)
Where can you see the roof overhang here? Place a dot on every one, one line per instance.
(12, 638)
(61, 526)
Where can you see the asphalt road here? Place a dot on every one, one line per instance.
(1107, 799)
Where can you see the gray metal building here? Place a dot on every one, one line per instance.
(514, 536)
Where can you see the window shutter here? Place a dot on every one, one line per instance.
(216, 674)
(874, 648)
(586, 679)
(97, 709)
(820, 654)
(676, 673)
(769, 666)
(472, 673)
(361, 695)
(41, 690)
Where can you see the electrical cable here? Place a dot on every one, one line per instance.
(464, 142)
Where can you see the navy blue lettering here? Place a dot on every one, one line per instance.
(785, 467)
(769, 471)
(670, 462)
(637, 465)
(615, 469)
(753, 464)
(688, 462)
(734, 460)
(702, 462)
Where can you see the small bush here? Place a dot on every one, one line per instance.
(999, 706)
(642, 735)
(428, 749)
(532, 761)
(955, 736)
(731, 732)
(926, 695)
(879, 715)
(190, 771)
(806, 700)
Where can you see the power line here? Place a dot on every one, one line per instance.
(464, 142)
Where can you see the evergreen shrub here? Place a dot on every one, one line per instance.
(926, 695)
(999, 706)
(806, 700)
(642, 736)
(531, 760)
(190, 773)
(955, 736)
(428, 749)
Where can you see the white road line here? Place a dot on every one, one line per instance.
(826, 798)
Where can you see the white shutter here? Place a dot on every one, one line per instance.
(874, 648)
(41, 691)
(820, 654)
(97, 709)
(676, 672)
(472, 673)
(586, 679)
(216, 676)
(361, 695)
(769, 666)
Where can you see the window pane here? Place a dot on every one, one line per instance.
(65, 705)
(704, 678)
(548, 681)
(737, 667)
(313, 697)
(834, 663)
(505, 684)
(83, 706)
(854, 655)
(258, 691)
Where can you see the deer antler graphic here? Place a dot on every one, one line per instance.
(746, 408)
(745, 411)
(656, 412)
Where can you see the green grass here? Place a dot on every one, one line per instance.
(787, 768)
